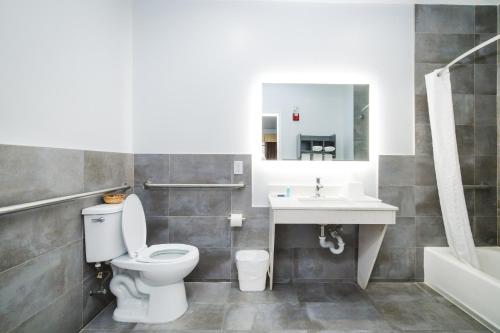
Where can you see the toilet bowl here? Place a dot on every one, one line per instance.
(152, 291)
(148, 282)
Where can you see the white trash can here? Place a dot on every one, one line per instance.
(252, 269)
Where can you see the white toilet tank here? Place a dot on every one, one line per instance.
(103, 232)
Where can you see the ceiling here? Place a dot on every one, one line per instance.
(444, 2)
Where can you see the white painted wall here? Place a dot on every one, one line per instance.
(195, 63)
(324, 109)
(198, 66)
(65, 74)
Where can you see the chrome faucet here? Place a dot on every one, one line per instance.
(318, 187)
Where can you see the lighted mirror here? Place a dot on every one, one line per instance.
(315, 122)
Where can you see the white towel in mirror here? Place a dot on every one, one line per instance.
(328, 157)
(317, 157)
(305, 157)
(317, 148)
(329, 149)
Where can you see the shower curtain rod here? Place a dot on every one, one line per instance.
(480, 46)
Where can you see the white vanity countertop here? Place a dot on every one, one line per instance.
(367, 204)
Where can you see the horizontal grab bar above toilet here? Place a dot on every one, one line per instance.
(148, 184)
(53, 201)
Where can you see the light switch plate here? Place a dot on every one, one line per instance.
(238, 167)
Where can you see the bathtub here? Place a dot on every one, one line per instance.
(477, 292)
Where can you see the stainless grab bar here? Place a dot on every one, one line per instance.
(53, 201)
(478, 187)
(148, 184)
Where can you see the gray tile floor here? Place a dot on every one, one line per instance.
(307, 308)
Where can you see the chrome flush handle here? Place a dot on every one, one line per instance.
(98, 219)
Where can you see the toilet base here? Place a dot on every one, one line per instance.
(151, 304)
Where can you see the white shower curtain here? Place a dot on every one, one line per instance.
(449, 180)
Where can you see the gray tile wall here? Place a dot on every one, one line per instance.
(398, 254)
(474, 86)
(198, 217)
(442, 33)
(44, 279)
(498, 129)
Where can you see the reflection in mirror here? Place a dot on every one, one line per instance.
(269, 136)
(318, 122)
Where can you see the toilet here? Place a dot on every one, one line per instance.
(148, 282)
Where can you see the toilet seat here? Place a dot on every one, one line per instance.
(166, 253)
(143, 264)
(134, 236)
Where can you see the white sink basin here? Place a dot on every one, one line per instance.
(321, 198)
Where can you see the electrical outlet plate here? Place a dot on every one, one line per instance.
(238, 167)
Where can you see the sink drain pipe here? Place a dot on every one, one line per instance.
(329, 244)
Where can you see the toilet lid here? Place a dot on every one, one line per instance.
(133, 225)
